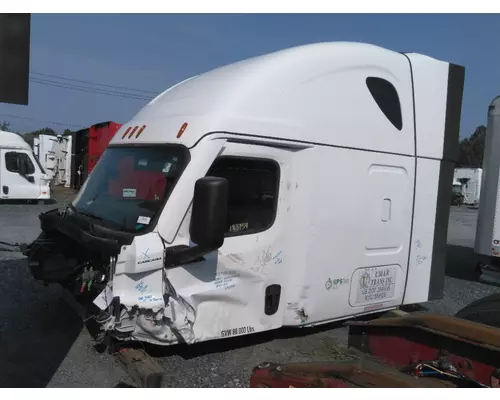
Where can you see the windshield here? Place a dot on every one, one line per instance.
(130, 185)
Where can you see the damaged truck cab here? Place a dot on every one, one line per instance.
(292, 189)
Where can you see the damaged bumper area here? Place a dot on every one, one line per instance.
(118, 280)
(67, 253)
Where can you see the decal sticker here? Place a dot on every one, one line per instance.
(376, 284)
(238, 227)
(143, 220)
(237, 331)
(129, 192)
(166, 168)
(147, 258)
(143, 163)
(104, 299)
(335, 283)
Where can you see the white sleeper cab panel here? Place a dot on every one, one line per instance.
(364, 231)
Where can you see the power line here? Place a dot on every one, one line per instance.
(95, 83)
(105, 92)
(42, 121)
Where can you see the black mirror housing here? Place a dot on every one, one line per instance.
(22, 167)
(209, 212)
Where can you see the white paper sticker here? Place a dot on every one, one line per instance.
(376, 284)
(143, 220)
(143, 163)
(105, 298)
(166, 168)
(129, 192)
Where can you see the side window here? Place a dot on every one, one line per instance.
(11, 162)
(253, 193)
(386, 96)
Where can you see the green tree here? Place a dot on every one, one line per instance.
(471, 149)
(30, 136)
(4, 126)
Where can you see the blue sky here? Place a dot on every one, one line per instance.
(153, 52)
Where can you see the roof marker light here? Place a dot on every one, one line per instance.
(127, 131)
(133, 131)
(181, 131)
(140, 131)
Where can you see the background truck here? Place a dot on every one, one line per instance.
(470, 181)
(88, 145)
(21, 175)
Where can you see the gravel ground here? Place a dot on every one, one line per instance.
(44, 344)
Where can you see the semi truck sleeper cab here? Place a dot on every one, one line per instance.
(292, 189)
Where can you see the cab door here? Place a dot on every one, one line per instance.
(240, 289)
(14, 185)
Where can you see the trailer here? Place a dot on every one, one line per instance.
(470, 183)
(487, 245)
(99, 137)
(53, 152)
(88, 145)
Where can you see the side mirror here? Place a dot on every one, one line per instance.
(22, 167)
(209, 213)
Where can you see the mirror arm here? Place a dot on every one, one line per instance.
(180, 255)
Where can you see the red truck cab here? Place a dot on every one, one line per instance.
(99, 137)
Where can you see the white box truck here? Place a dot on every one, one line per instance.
(213, 212)
(470, 182)
(21, 175)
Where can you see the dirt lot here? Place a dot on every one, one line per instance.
(44, 344)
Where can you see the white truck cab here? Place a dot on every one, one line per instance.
(292, 189)
(21, 175)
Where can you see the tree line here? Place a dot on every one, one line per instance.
(30, 136)
(471, 149)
